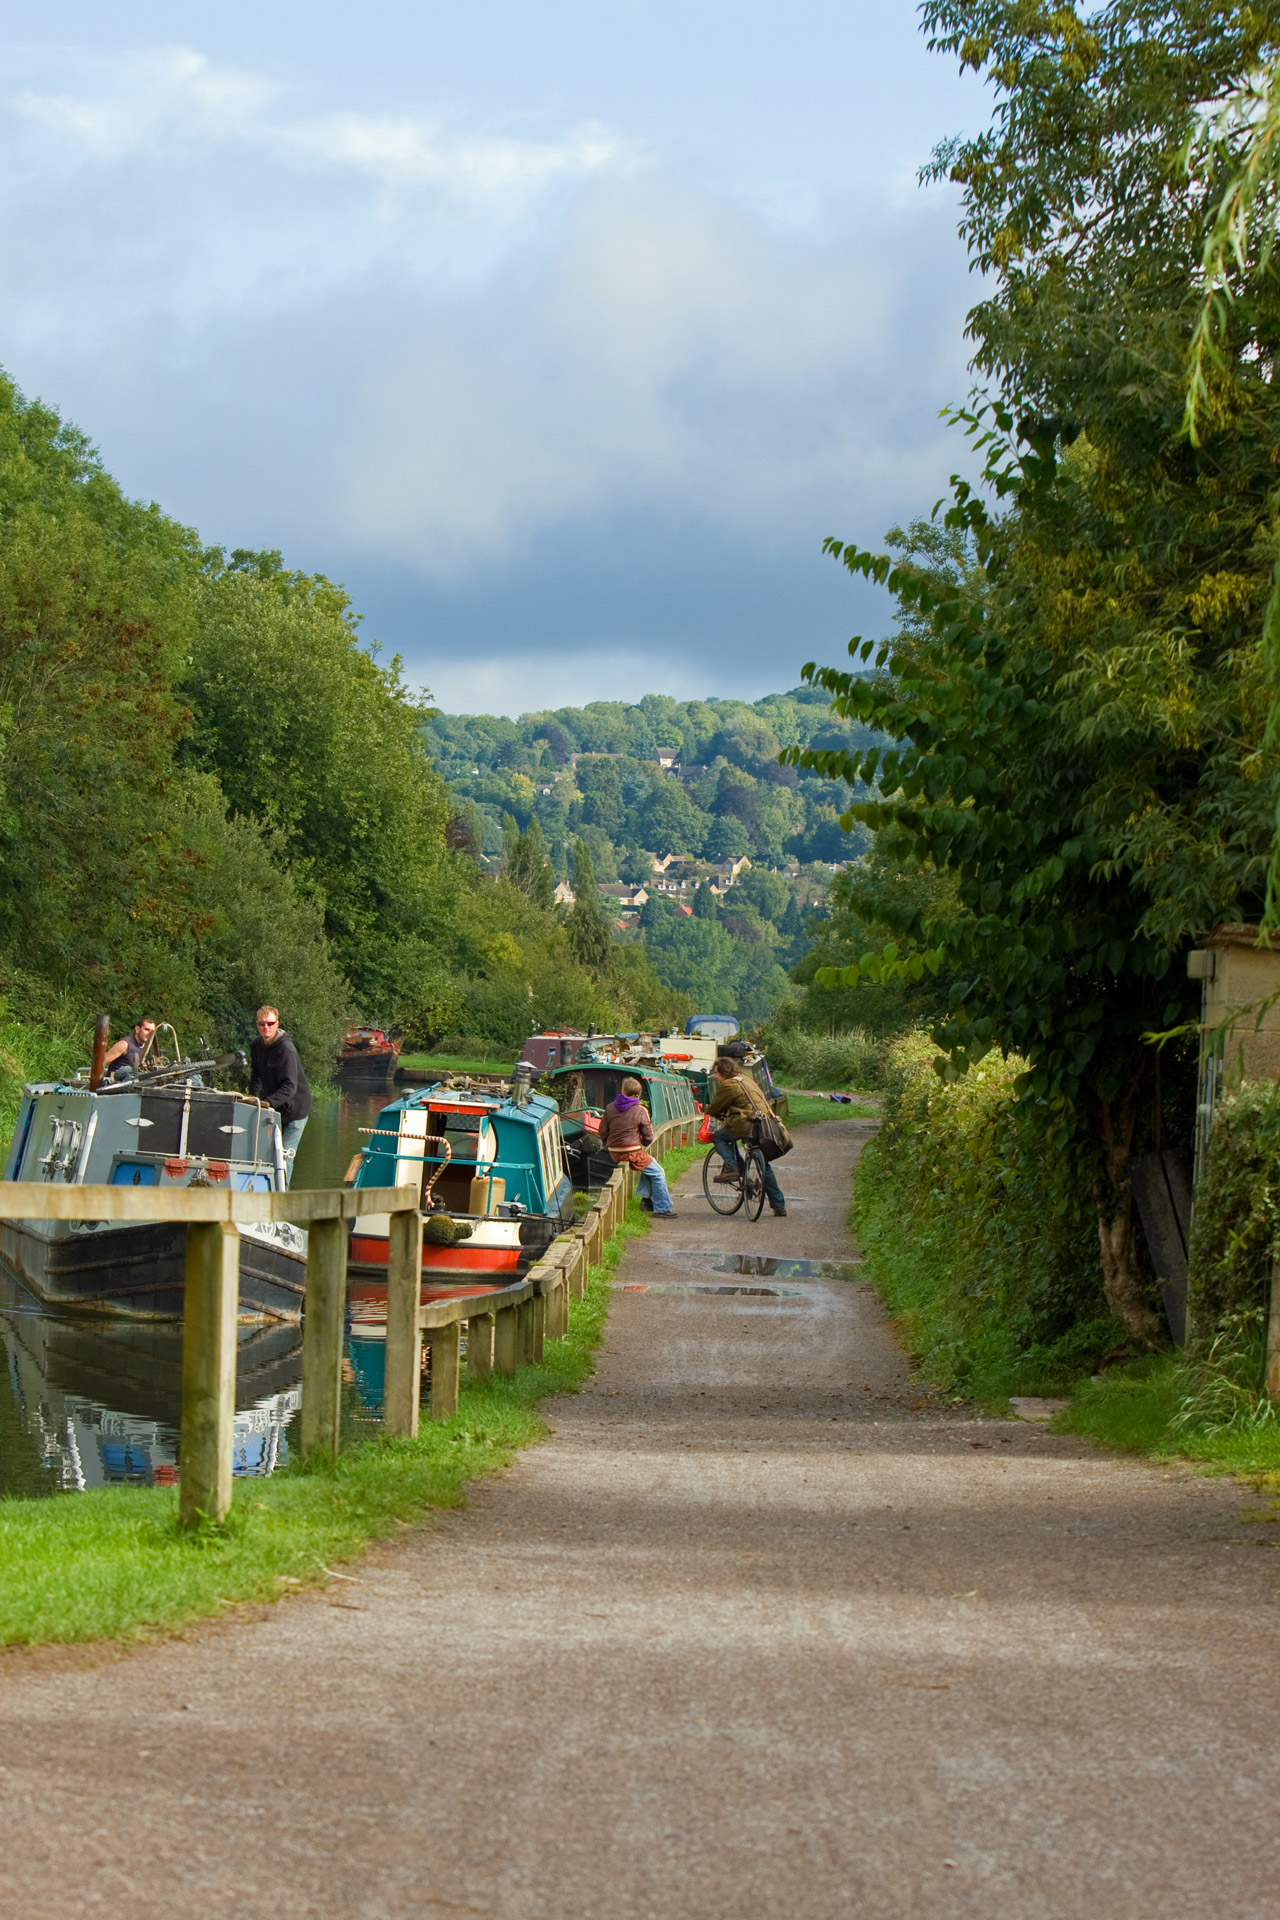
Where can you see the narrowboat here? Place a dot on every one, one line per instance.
(694, 1054)
(367, 1061)
(585, 1089)
(162, 1128)
(490, 1171)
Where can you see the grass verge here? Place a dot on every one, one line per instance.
(498, 1063)
(804, 1109)
(1156, 1407)
(962, 1340)
(112, 1565)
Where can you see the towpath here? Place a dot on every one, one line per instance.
(755, 1634)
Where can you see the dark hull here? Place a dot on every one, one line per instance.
(367, 1072)
(138, 1271)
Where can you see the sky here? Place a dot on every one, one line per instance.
(561, 335)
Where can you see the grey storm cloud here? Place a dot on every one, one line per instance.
(542, 403)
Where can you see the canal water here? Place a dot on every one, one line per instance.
(86, 1402)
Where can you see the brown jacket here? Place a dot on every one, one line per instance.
(622, 1132)
(737, 1104)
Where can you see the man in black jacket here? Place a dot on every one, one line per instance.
(276, 1076)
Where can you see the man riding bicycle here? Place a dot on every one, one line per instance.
(737, 1104)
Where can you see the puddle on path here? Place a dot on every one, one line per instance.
(767, 1267)
(693, 1286)
(758, 1265)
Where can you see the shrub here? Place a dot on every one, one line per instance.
(981, 1240)
(852, 1058)
(1234, 1225)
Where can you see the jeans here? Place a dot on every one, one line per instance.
(652, 1185)
(727, 1147)
(290, 1134)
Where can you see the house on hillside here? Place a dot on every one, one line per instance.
(616, 893)
(564, 895)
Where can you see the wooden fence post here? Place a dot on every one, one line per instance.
(506, 1341)
(446, 1343)
(537, 1325)
(480, 1346)
(211, 1296)
(326, 1307)
(404, 1343)
(524, 1333)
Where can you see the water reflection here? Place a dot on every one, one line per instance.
(90, 1402)
(333, 1137)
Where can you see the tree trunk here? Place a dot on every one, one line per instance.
(1126, 1270)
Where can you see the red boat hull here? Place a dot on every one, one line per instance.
(464, 1260)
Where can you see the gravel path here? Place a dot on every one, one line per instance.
(755, 1634)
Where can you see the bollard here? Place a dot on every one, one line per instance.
(480, 1346)
(404, 1344)
(506, 1341)
(446, 1344)
(326, 1306)
(211, 1296)
(538, 1326)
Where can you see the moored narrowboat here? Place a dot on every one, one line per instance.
(491, 1175)
(158, 1129)
(585, 1089)
(367, 1061)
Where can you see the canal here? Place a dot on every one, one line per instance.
(88, 1402)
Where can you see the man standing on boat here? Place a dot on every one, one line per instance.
(276, 1076)
(627, 1131)
(131, 1051)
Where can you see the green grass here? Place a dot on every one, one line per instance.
(1141, 1408)
(112, 1565)
(498, 1062)
(803, 1109)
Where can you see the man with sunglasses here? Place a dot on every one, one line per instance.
(276, 1076)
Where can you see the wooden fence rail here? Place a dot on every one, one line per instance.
(506, 1329)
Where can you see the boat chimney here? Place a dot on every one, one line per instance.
(101, 1041)
(521, 1083)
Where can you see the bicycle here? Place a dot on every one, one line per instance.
(746, 1191)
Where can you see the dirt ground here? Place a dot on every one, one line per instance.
(759, 1632)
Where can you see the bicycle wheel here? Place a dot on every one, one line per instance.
(753, 1184)
(724, 1199)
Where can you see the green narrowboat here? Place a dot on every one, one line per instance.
(584, 1090)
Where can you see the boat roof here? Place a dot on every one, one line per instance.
(532, 1111)
(624, 1067)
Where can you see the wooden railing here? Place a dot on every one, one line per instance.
(506, 1328)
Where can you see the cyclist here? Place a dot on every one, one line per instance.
(737, 1104)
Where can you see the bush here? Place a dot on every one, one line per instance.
(852, 1058)
(977, 1236)
(1234, 1226)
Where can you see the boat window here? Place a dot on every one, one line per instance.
(133, 1173)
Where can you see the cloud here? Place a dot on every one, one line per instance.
(536, 400)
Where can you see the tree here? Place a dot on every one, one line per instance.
(727, 839)
(704, 903)
(588, 930)
(601, 787)
(316, 741)
(1079, 702)
(636, 866)
(669, 822)
(526, 865)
